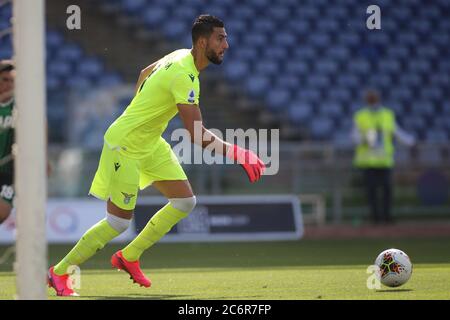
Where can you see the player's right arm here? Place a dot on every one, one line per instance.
(144, 74)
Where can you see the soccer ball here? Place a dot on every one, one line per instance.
(395, 267)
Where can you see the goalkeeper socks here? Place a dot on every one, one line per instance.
(92, 241)
(156, 228)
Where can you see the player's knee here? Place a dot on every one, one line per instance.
(184, 204)
(117, 223)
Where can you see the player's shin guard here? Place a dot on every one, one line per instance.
(92, 241)
(157, 227)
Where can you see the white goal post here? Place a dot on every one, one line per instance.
(30, 149)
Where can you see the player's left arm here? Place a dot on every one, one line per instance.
(192, 119)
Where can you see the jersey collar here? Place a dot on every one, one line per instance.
(4, 104)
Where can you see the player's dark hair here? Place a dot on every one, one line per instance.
(204, 26)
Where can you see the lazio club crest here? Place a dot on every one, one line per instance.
(127, 197)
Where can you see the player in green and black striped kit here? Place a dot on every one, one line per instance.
(6, 138)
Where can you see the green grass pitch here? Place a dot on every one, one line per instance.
(305, 269)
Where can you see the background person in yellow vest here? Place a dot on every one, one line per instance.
(374, 130)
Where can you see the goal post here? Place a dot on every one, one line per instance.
(30, 149)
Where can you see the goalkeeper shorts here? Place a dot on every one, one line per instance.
(119, 177)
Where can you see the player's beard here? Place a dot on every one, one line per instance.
(213, 57)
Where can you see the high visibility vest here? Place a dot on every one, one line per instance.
(376, 128)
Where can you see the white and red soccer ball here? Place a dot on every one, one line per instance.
(395, 267)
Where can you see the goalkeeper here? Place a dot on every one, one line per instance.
(135, 155)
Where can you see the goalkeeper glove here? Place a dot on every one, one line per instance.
(248, 160)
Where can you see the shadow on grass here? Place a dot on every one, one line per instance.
(395, 290)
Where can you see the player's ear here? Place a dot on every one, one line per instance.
(203, 41)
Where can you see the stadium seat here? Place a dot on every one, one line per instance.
(258, 85)
(437, 136)
(300, 113)
(321, 128)
(278, 99)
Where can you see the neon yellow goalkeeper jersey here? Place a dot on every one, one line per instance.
(174, 80)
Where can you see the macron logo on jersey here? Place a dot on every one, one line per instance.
(191, 97)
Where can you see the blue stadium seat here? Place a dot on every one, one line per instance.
(78, 82)
(441, 39)
(430, 12)
(320, 40)
(307, 12)
(359, 67)
(255, 39)
(286, 40)
(54, 83)
(276, 53)
(419, 65)
(279, 13)
(423, 108)
(348, 80)
(349, 40)
(133, 6)
(299, 26)
(407, 38)
(321, 128)
(60, 68)
(442, 122)
(278, 99)
(319, 81)
(414, 124)
(378, 38)
(397, 52)
(327, 25)
(401, 13)
(299, 113)
(289, 81)
(53, 40)
(412, 80)
(339, 94)
(310, 95)
(401, 94)
(296, 67)
(431, 93)
(258, 85)
(238, 70)
(439, 79)
(243, 12)
(109, 80)
(154, 16)
(304, 53)
(326, 67)
(267, 67)
(263, 25)
(389, 66)
(174, 29)
(437, 136)
(217, 10)
(236, 26)
(70, 52)
(330, 109)
(90, 67)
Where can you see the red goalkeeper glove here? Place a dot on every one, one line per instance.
(252, 165)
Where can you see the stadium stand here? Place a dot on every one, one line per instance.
(307, 62)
